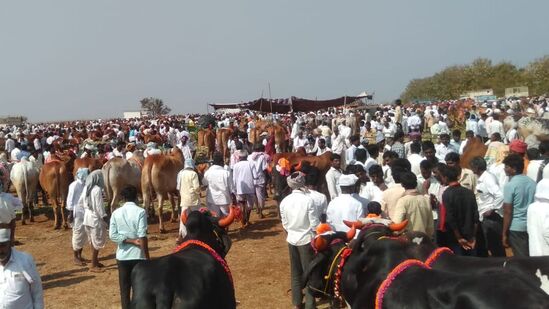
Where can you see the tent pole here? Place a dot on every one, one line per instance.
(270, 98)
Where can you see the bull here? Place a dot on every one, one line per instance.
(195, 276)
(380, 274)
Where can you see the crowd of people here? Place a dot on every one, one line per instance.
(393, 163)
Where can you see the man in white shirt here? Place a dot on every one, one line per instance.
(490, 201)
(243, 178)
(538, 221)
(482, 132)
(76, 208)
(185, 146)
(299, 141)
(259, 161)
(322, 149)
(94, 216)
(298, 215)
(350, 152)
(9, 144)
(415, 158)
(333, 175)
(539, 169)
(20, 283)
(219, 183)
(495, 126)
(443, 148)
(320, 201)
(345, 206)
(471, 124)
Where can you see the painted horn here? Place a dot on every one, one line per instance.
(225, 222)
(357, 224)
(184, 216)
(397, 227)
(351, 233)
(320, 244)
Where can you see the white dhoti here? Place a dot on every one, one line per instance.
(79, 235)
(97, 235)
(220, 210)
(187, 209)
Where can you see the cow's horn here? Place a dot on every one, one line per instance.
(397, 227)
(320, 243)
(351, 233)
(225, 222)
(357, 224)
(184, 216)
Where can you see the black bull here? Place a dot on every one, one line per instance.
(189, 278)
(372, 259)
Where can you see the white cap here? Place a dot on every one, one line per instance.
(347, 180)
(5, 235)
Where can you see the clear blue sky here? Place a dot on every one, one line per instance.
(95, 59)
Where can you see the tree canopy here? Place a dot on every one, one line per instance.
(452, 81)
(154, 106)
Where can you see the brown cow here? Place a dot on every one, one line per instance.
(91, 163)
(223, 136)
(322, 162)
(281, 136)
(159, 175)
(206, 138)
(119, 173)
(54, 179)
(474, 148)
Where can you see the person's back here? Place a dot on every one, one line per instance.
(131, 221)
(189, 188)
(343, 207)
(218, 180)
(520, 190)
(244, 177)
(415, 208)
(297, 212)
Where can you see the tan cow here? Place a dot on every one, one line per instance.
(222, 137)
(206, 138)
(119, 173)
(159, 175)
(91, 163)
(54, 179)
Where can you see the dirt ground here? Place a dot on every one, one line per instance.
(258, 261)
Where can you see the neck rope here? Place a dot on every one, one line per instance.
(433, 257)
(399, 269)
(212, 252)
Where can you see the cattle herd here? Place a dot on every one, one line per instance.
(380, 267)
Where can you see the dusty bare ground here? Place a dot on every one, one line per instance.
(258, 260)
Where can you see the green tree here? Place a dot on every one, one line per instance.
(452, 81)
(537, 76)
(154, 106)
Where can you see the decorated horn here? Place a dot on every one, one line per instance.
(397, 227)
(320, 244)
(356, 224)
(351, 233)
(184, 216)
(225, 222)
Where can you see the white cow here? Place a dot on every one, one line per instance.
(24, 176)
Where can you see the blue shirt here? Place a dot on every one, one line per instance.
(519, 192)
(128, 222)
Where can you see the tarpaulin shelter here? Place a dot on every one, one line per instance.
(291, 104)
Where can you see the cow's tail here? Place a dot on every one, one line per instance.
(148, 191)
(26, 181)
(106, 180)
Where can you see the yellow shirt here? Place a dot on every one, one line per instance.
(415, 208)
(189, 188)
